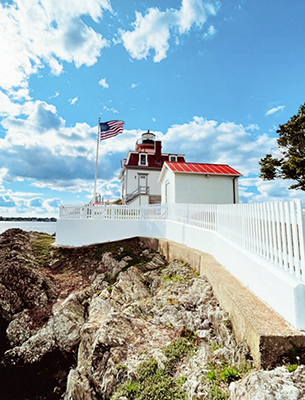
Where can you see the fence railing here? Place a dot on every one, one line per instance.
(102, 211)
(201, 215)
(274, 231)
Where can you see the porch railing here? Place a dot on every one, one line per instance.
(141, 190)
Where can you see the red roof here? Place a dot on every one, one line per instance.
(213, 169)
(133, 160)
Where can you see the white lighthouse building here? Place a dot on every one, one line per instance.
(141, 170)
(149, 176)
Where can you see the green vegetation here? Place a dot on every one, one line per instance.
(121, 367)
(152, 383)
(220, 376)
(185, 275)
(155, 383)
(174, 278)
(43, 249)
(292, 367)
(179, 348)
(221, 373)
(216, 346)
(290, 163)
(216, 393)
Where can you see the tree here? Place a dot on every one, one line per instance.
(290, 163)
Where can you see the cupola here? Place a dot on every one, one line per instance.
(147, 142)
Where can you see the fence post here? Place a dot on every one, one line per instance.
(301, 232)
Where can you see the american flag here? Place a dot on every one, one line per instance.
(110, 129)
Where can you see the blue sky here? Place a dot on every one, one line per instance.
(212, 79)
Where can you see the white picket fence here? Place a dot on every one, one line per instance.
(273, 231)
(101, 211)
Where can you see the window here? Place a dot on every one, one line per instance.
(172, 158)
(143, 159)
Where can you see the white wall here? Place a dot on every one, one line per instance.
(132, 180)
(168, 183)
(83, 232)
(203, 189)
(198, 188)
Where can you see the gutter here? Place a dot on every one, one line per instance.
(234, 191)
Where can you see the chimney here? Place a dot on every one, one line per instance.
(158, 151)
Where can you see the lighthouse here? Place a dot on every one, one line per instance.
(141, 170)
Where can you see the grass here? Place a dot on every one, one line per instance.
(179, 348)
(43, 249)
(152, 383)
(155, 383)
(220, 376)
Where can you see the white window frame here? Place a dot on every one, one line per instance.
(145, 156)
(175, 158)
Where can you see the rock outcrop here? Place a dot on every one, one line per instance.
(115, 321)
(278, 384)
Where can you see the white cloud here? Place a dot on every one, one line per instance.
(255, 190)
(111, 109)
(134, 85)
(41, 150)
(274, 110)
(194, 12)
(7, 106)
(153, 30)
(104, 83)
(54, 95)
(203, 140)
(210, 32)
(63, 36)
(28, 204)
(73, 101)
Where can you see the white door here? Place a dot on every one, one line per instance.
(143, 183)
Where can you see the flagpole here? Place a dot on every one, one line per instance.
(96, 161)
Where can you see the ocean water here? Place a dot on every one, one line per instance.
(46, 227)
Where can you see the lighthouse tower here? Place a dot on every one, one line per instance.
(141, 169)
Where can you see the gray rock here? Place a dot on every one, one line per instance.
(69, 308)
(266, 385)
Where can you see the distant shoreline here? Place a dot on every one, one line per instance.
(29, 219)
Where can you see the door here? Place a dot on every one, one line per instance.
(143, 183)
